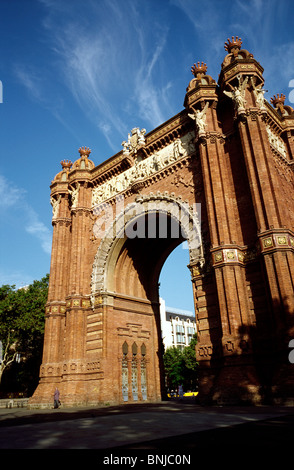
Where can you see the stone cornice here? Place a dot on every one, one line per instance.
(278, 123)
(244, 66)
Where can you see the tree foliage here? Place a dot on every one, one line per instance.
(181, 365)
(22, 323)
(174, 366)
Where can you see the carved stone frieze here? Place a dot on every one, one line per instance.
(145, 168)
(276, 142)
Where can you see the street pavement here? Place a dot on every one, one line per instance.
(166, 428)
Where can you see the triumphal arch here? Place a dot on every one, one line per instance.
(219, 174)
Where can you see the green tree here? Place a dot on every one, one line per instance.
(22, 326)
(181, 365)
(191, 364)
(174, 366)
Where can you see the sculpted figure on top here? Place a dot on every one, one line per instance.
(200, 118)
(135, 140)
(237, 94)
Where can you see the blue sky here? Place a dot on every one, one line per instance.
(84, 73)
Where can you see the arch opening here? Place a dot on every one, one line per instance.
(151, 220)
(174, 281)
(138, 265)
(126, 275)
(134, 279)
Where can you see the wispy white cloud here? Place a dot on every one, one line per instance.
(106, 63)
(38, 229)
(31, 81)
(255, 22)
(12, 202)
(148, 95)
(14, 277)
(9, 195)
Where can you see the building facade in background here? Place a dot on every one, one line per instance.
(219, 174)
(177, 326)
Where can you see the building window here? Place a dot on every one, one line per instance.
(190, 331)
(180, 329)
(143, 373)
(180, 338)
(125, 375)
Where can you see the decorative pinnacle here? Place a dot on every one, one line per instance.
(66, 164)
(84, 151)
(278, 100)
(199, 69)
(233, 45)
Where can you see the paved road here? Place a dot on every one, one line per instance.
(167, 428)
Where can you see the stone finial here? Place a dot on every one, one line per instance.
(233, 45)
(278, 101)
(66, 164)
(199, 70)
(84, 151)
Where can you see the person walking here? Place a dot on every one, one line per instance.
(56, 398)
(181, 391)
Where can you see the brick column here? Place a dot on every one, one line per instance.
(51, 368)
(276, 243)
(275, 237)
(224, 348)
(78, 298)
(230, 280)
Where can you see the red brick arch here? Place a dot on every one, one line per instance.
(231, 152)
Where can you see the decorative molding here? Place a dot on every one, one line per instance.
(60, 369)
(62, 221)
(212, 137)
(276, 241)
(233, 255)
(133, 330)
(55, 309)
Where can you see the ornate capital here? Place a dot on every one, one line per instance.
(211, 137)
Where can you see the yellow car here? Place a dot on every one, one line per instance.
(186, 394)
